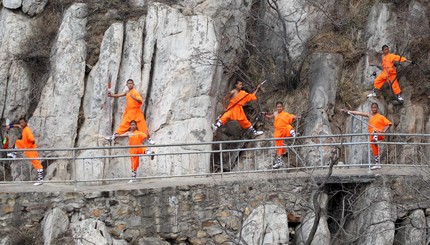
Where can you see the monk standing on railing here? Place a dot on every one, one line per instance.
(132, 111)
(377, 124)
(283, 128)
(27, 141)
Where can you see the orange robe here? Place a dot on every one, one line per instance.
(389, 71)
(132, 112)
(28, 142)
(136, 138)
(235, 111)
(283, 128)
(378, 122)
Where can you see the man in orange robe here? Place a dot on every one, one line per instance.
(132, 111)
(389, 73)
(136, 138)
(377, 124)
(283, 128)
(27, 141)
(234, 111)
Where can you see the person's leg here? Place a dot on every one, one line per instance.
(36, 163)
(124, 126)
(378, 83)
(375, 153)
(396, 87)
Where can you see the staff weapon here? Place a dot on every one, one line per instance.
(361, 120)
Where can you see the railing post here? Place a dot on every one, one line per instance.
(368, 152)
(74, 167)
(220, 158)
(321, 152)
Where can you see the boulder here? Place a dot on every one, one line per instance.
(325, 72)
(178, 71)
(152, 241)
(55, 224)
(98, 107)
(12, 4)
(267, 224)
(411, 122)
(322, 235)
(412, 229)
(33, 7)
(374, 216)
(90, 231)
(56, 117)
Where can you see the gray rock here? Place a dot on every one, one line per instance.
(418, 21)
(33, 7)
(381, 21)
(5, 241)
(137, 3)
(56, 116)
(322, 235)
(90, 231)
(324, 75)
(55, 224)
(181, 51)
(119, 242)
(15, 78)
(267, 224)
(373, 222)
(97, 107)
(411, 122)
(152, 241)
(12, 4)
(412, 229)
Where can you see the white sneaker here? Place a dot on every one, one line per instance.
(11, 155)
(214, 128)
(151, 141)
(376, 166)
(132, 180)
(150, 153)
(373, 94)
(277, 165)
(39, 182)
(400, 98)
(257, 133)
(112, 138)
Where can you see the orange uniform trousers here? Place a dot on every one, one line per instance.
(20, 144)
(393, 82)
(282, 133)
(236, 113)
(136, 139)
(375, 148)
(130, 115)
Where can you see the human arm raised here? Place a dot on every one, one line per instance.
(268, 115)
(116, 95)
(359, 113)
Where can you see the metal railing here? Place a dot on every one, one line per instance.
(94, 164)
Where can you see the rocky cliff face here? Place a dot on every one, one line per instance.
(56, 58)
(182, 57)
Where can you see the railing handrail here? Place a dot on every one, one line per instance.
(212, 143)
